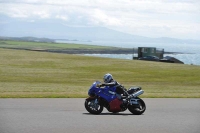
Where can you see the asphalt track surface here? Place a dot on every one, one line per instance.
(69, 116)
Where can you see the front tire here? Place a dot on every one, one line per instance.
(92, 107)
(137, 109)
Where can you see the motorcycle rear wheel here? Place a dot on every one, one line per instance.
(137, 110)
(92, 107)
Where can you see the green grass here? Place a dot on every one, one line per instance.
(39, 74)
(41, 45)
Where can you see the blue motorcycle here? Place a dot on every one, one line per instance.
(112, 101)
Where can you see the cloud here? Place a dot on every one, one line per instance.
(99, 17)
(144, 17)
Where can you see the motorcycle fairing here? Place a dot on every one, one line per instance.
(115, 105)
(107, 93)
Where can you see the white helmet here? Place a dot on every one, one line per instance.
(107, 78)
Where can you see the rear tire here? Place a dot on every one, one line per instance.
(92, 107)
(137, 110)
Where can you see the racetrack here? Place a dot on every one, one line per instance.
(69, 116)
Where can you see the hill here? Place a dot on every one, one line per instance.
(61, 31)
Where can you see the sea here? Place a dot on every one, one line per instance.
(187, 53)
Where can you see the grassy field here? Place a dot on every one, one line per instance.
(43, 45)
(39, 74)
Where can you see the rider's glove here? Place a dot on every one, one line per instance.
(103, 84)
(98, 85)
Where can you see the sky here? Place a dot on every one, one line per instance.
(150, 18)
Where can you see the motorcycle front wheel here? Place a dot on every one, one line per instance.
(137, 109)
(93, 107)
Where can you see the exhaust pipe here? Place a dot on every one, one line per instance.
(140, 92)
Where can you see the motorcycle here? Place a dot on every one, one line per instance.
(112, 101)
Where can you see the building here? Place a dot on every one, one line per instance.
(141, 52)
(148, 51)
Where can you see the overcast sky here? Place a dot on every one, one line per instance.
(150, 18)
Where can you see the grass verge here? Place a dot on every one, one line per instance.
(44, 45)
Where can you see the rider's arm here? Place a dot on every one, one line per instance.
(109, 84)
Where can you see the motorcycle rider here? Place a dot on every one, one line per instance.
(109, 81)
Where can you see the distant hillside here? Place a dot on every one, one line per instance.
(43, 30)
